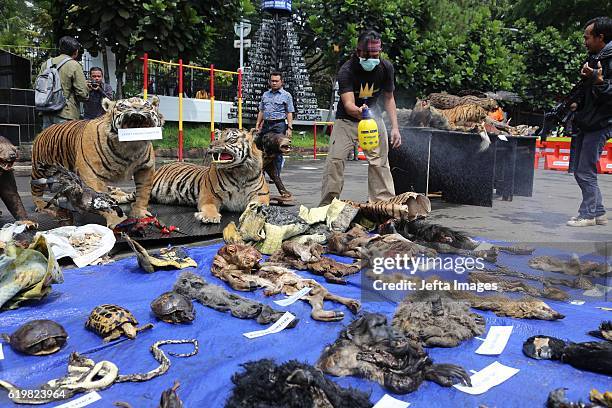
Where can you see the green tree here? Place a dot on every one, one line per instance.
(166, 29)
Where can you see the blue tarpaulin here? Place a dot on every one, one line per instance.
(206, 378)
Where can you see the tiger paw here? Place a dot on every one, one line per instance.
(140, 213)
(208, 218)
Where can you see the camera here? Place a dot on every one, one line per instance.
(94, 84)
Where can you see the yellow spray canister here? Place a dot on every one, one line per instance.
(367, 131)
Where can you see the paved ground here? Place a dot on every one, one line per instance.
(538, 219)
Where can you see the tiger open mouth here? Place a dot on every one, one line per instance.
(7, 165)
(222, 157)
(136, 120)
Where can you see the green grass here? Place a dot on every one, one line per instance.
(198, 135)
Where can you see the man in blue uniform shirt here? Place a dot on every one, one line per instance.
(276, 112)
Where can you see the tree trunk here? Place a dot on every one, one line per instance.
(119, 70)
(105, 63)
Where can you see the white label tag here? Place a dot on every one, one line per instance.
(135, 134)
(487, 378)
(1, 352)
(388, 401)
(82, 401)
(275, 328)
(496, 340)
(502, 137)
(577, 302)
(293, 298)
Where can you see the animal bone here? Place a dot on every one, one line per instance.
(292, 384)
(371, 349)
(239, 266)
(308, 257)
(195, 287)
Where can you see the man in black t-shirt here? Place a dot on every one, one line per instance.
(361, 80)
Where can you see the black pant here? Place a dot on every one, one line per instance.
(588, 148)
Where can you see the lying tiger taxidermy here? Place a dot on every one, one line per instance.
(231, 182)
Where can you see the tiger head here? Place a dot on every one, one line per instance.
(8, 154)
(133, 113)
(232, 147)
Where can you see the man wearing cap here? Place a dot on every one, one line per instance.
(361, 80)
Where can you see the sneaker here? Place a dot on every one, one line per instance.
(601, 220)
(581, 222)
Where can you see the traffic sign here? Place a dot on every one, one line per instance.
(245, 43)
(246, 28)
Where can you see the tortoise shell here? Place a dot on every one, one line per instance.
(106, 318)
(38, 337)
(172, 307)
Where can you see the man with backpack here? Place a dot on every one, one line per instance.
(61, 85)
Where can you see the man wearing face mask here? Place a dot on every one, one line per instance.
(361, 80)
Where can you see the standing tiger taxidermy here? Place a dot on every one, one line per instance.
(233, 179)
(91, 149)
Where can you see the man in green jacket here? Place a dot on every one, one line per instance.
(74, 85)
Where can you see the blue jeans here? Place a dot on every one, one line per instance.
(589, 146)
(276, 127)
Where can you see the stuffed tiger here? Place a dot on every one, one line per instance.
(233, 179)
(91, 148)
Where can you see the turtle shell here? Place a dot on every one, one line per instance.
(39, 337)
(106, 318)
(172, 307)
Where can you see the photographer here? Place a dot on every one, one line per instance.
(97, 90)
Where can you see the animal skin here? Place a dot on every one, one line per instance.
(524, 308)
(85, 375)
(274, 145)
(405, 206)
(557, 399)
(232, 181)
(434, 319)
(574, 266)
(80, 197)
(511, 285)
(91, 148)
(445, 100)
(290, 385)
(594, 356)
(195, 287)
(371, 349)
(8, 187)
(578, 283)
(238, 265)
(308, 257)
(442, 239)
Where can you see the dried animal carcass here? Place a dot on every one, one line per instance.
(557, 399)
(511, 285)
(81, 197)
(445, 100)
(595, 356)
(356, 243)
(604, 331)
(85, 375)
(308, 257)
(435, 319)
(438, 237)
(578, 283)
(290, 385)
(573, 266)
(405, 206)
(165, 258)
(239, 266)
(195, 287)
(370, 348)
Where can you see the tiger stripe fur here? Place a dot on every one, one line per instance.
(233, 179)
(91, 148)
(405, 206)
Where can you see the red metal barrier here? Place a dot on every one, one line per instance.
(539, 152)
